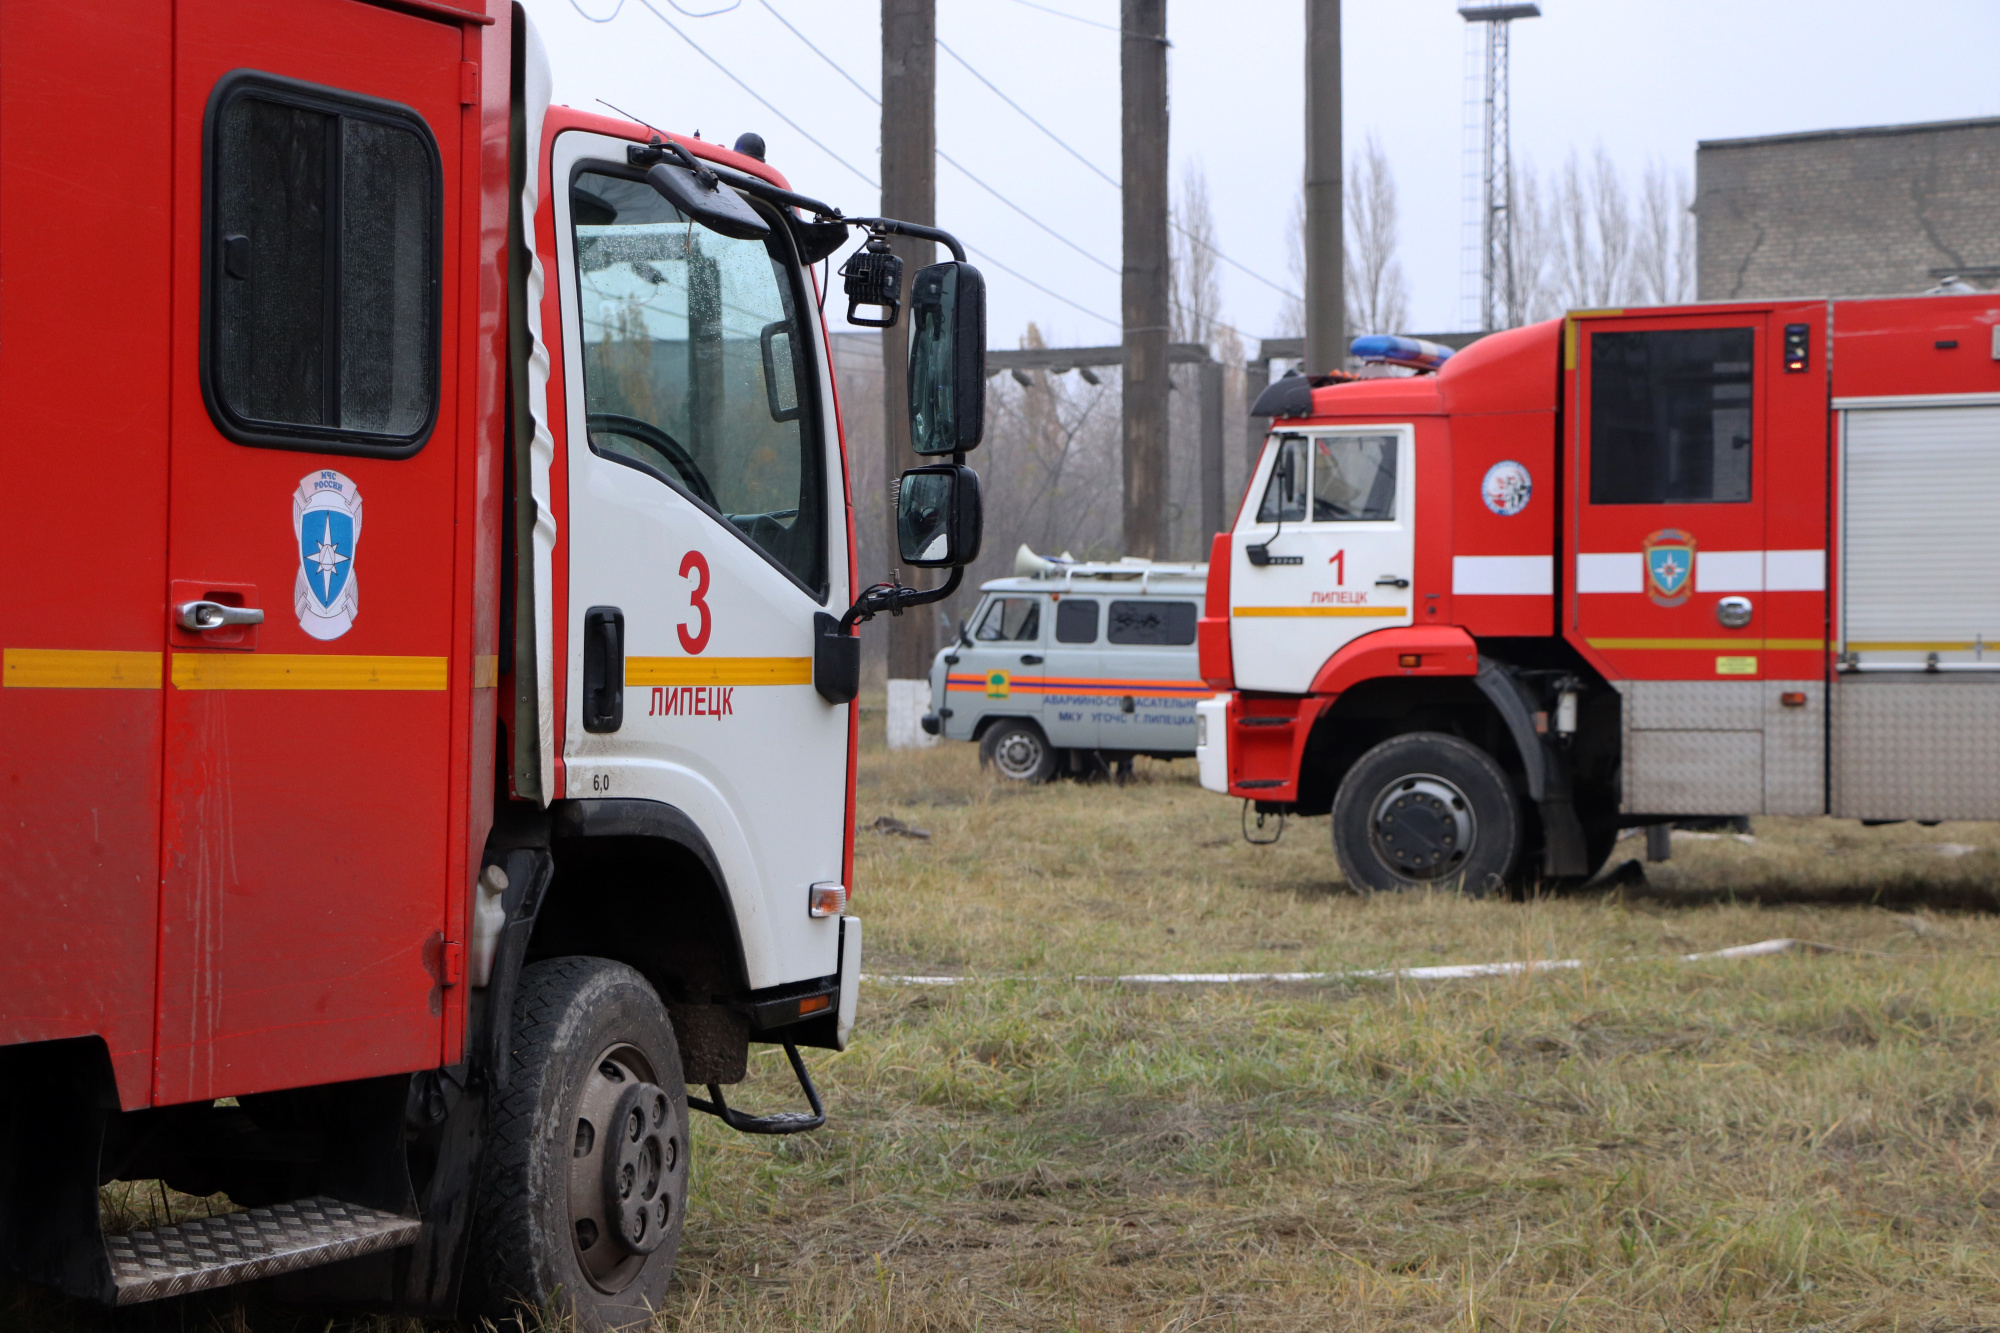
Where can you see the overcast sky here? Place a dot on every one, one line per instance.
(1644, 79)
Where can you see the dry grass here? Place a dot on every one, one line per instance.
(1781, 1143)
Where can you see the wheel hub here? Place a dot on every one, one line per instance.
(1422, 827)
(1018, 754)
(628, 1173)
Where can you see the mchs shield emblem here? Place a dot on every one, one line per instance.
(326, 525)
(1669, 566)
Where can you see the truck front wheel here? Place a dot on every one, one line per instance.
(585, 1179)
(1426, 810)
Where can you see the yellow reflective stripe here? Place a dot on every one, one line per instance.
(1711, 645)
(718, 671)
(306, 671)
(1321, 611)
(78, 669)
(485, 671)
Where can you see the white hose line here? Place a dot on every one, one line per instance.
(1446, 972)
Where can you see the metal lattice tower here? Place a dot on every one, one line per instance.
(1487, 290)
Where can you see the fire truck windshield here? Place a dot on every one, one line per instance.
(694, 364)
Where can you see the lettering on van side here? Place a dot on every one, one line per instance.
(716, 701)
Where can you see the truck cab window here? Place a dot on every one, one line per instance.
(1168, 624)
(1670, 416)
(322, 270)
(1076, 620)
(1011, 619)
(1285, 493)
(691, 369)
(1354, 478)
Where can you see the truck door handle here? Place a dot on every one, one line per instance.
(200, 616)
(1391, 581)
(603, 669)
(1030, 659)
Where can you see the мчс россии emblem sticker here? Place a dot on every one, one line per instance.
(326, 524)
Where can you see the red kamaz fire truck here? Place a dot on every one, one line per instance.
(427, 733)
(1613, 570)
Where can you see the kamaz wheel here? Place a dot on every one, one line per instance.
(1018, 751)
(1426, 810)
(585, 1180)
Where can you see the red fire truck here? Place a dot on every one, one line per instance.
(1613, 570)
(428, 744)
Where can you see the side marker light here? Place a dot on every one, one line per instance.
(1793, 698)
(827, 900)
(1410, 660)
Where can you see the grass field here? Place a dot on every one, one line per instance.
(1799, 1141)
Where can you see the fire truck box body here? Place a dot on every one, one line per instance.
(1709, 560)
(422, 545)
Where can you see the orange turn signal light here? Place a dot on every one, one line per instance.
(827, 900)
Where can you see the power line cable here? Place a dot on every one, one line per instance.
(942, 155)
(1063, 144)
(761, 100)
(1108, 27)
(1059, 141)
(1022, 277)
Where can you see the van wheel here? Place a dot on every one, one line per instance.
(585, 1180)
(1019, 751)
(1426, 810)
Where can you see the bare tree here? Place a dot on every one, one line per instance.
(1663, 256)
(1292, 314)
(1377, 295)
(1195, 298)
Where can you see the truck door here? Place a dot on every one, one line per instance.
(1007, 663)
(1333, 520)
(314, 442)
(703, 502)
(1712, 630)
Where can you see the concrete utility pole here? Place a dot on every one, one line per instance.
(1143, 79)
(909, 192)
(1326, 298)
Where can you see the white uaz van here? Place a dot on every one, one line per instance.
(1074, 667)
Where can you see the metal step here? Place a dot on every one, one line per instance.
(241, 1247)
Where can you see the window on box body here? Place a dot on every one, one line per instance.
(1670, 416)
(323, 269)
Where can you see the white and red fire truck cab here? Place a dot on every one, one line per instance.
(426, 692)
(1614, 569)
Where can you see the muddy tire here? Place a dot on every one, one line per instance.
(1427, 810)
(1018, 751)
(585, 1180)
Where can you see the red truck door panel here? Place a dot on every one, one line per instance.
(1697, 502)
(314, 433)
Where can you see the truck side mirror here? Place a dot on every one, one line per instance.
(947, 360)
(938, 516)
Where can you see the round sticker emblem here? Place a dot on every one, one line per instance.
(1507, 488)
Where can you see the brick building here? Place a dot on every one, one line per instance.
(1864, 212)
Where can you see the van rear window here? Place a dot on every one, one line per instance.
(1169, 624)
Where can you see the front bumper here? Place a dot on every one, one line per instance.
(1211, 750)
